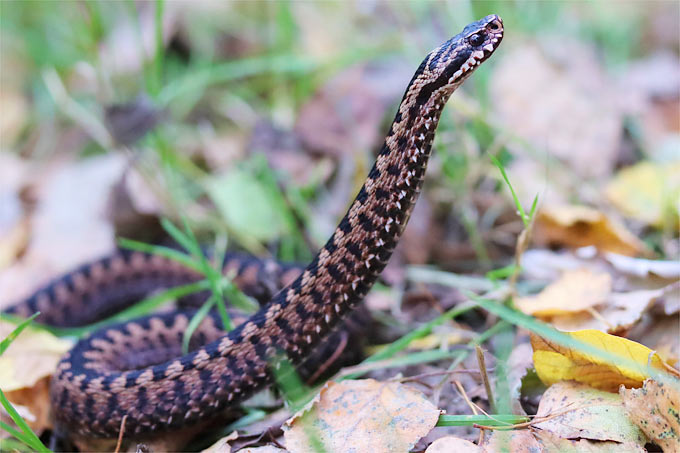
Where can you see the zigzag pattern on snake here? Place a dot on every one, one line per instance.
(97, 385)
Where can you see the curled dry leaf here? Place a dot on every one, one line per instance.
(351, 415)
(555, 363)
(451, 444)
(655, 408)
(586, 413)
(580, 226)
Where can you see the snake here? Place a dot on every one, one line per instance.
(132, 376)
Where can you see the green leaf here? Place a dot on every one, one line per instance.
(246, 205)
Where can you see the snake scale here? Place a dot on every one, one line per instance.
(133, 373)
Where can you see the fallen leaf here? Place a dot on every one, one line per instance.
(245, 204)
(351, 415)
(518, 365)
(586, 413)
(580, 226)
(25, 368)
(648, 192)
(655, 408)
(344, 117)
(535, 89)
(551, 443)
(33, 404)
(620, 312)
(640, 267)
(32, 356)
(661, 334)
(555, 363)
(512, 442)
(451, 444)
(575, 291)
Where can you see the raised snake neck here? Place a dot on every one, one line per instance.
(93, 392)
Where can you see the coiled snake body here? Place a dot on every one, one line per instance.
(98, 385)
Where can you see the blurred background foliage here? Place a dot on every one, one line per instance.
(260, 119)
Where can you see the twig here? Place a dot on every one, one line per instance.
(75, 111)
(485, 377)
(526, 424)
(472, 406)
(120, 434)
(331, 360)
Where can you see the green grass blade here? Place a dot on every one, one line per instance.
(4, 344)
(491, 420)
(195, 322)
(546, 331)
(165, 252)
(33, 440)
(419, 332)
(520, 209)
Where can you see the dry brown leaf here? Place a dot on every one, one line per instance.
(390, 417)
(33, 404)
(580, 226)
(575, 291)
(647, 192)
(655, 408)
(512, 442)
(590, 414)
(555, 363)
(451, 444)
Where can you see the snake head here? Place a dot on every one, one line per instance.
(452, 62)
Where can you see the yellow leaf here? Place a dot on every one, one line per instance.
(351, 415)
(655, 408)
(555, 363)
(575, 291)
(32, 356)
(25, 368)
(647, 192)
(579, 226)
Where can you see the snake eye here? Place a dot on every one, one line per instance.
(476, 40)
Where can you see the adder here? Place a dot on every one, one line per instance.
(134, 372)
